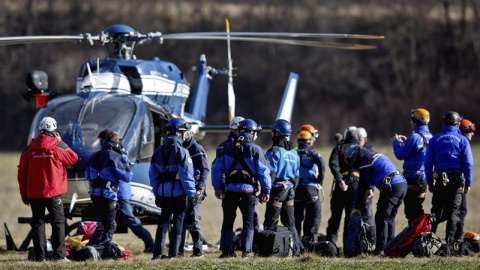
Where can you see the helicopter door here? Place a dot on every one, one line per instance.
(160, 122)
(147, 139)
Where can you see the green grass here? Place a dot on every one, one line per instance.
(12, 208)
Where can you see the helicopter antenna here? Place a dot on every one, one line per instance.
(231, 93)
(92, 81)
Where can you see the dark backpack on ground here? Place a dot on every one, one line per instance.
(455, 248)
(277, 243)
(359, 239)
(324, 249)
(308, 241)
(86, 253)
(109, 250)
(427, 244)
(402, 243)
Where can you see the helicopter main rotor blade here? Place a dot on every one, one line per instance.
(309, 43)
(279, 34)
(46, 39)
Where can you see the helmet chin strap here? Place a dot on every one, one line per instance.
(46, 132)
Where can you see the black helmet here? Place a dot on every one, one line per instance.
(452, 118)
(351, 153)
(248, 125)
(283, 127)
(177, 124)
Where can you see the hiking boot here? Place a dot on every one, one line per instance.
(197, 255)
(246, 254)
(148, 250)
(227, 255)
(168, 257)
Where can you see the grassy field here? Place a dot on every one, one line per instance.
(211, 225)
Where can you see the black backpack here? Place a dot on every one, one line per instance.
(457, 249)
(324, 249)
(278, 243)
(86, 253)
(359, 239)
(427, 244)
(109, 250)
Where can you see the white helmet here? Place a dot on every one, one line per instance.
(361, 132)
(48, 124)
(236, 121)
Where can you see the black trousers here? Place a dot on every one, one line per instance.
(54, 206)
(340, 201)
(246, 203)
(446, 201)
(413, 203)
(106, 211)
(285, 212)
(173, 213)
(308, 210)
(461, 221)
(387, 207)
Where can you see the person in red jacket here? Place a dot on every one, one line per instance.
(42, 179)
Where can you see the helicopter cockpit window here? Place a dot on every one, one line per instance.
(114, 113)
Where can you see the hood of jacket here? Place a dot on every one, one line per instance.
(43, 142)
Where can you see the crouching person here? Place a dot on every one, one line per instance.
(377, 170)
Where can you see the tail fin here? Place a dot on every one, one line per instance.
(198, 105)
(288, 101)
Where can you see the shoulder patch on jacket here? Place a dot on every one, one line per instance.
(62, 145)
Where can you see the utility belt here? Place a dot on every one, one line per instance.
(351, 173)
(351, 177)
(168, 177)
(105, 184)
(412, 171)
(386, 185)
(240, 176)
(418, 184)
(453, 178)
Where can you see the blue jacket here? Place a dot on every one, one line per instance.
(284, 164)
(172, 158)
(109, 165)
(373, 168)
(312, 167)
(412, 153)
(449, 150)
(199, 158)
(254, 158)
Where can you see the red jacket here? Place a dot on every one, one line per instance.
(42, 173)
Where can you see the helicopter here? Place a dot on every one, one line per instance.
(136, 98)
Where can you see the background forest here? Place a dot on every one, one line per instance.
(429, 58)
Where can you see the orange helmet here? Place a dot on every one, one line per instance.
(466, 126)
(420, 115)
(304, 135)
(471, 236)
(310, 129)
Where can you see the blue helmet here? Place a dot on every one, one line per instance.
(283, 127)
(177, 124)
(248, 125)
(352, 152)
